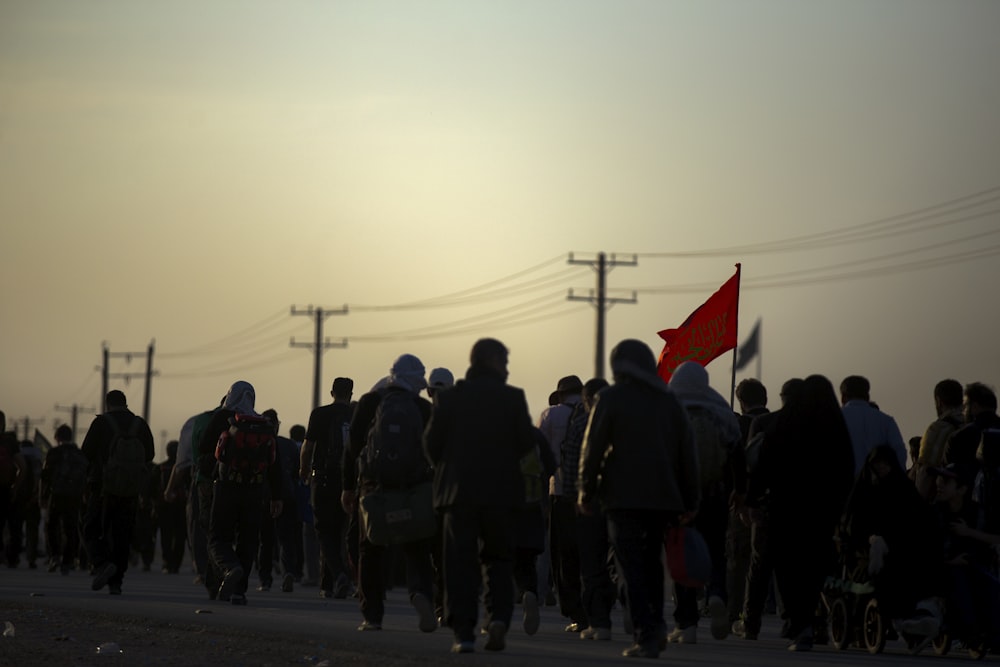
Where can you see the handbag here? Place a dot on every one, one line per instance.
(398, 516)
(688, 559)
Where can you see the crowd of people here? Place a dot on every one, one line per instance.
(478, 511)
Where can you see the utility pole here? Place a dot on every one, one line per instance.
(600, 300)
(106, 375)
(28, 423)
(74, 411)
(319, 344)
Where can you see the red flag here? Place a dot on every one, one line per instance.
(707, 332)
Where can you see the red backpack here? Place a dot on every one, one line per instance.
(246, 449)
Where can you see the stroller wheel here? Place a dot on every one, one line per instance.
(840, 625)
(942, 644)
(873, 628)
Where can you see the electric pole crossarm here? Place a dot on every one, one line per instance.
(319, 344)
(600, 300)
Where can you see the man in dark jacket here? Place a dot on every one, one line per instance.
(321, 457)
(980, 409)
(64, 476)
(478, 434)
(639, 458)
(111, 513)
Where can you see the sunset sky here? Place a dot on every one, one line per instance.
(189, 171)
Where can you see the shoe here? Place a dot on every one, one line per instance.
(288, 583)
(53, 566)
(229, 583)
(342, 588)
(601, 634)
(114, 589)
(688, 635)
(574, 627)
(640, 651)
(720, 617)
(464, 646)
(740, 630)
(368, 626)
(264, 587)
(531, 618)
(325, 594)
(101, 576)
(922, 626)
(804, 642)
(238, 599)
(425, 612)
(496, 633)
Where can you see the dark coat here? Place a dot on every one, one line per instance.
(639, 452)
(478, 433)
(98, 441)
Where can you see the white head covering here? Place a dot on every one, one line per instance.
(240, 398)
(407, 372)
(689, 383)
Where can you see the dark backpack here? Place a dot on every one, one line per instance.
(125, 470)
(394, 453)
(328, 455)
(713, 453)
(246, 449)
(70, 475)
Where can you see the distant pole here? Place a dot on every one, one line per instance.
(760, 351)
(127, 377)
(149, 380)
(601, 301)
(74, 411)
(106, 356)
(318, 345)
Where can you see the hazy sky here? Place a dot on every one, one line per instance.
(189, 171)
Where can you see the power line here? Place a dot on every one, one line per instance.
(470, 295)
(475, 323)
(250, 365)
(858, 232)
(257, 328)
(801, 276)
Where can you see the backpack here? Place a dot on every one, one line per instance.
(246, 449)
(531, 471)
(713, 454)
(327, 460)
(70, 476)
(125, 469)
(394, 453)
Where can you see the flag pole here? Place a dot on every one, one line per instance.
(732, 385)
(760, 351)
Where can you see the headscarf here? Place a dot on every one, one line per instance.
(634, 360)
(690, 383)
(240, 398)
(407, 372)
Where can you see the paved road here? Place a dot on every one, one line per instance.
(175, 599)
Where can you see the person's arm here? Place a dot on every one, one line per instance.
(305, 460)
(897, 443)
